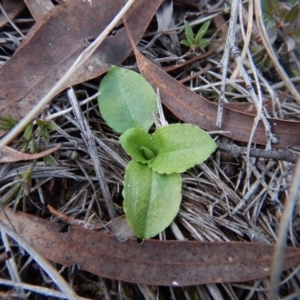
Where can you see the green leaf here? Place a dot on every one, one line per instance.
(297, 31)
(51, 126)
(202, 31)
(46, 124)
(293, 14)
(151, 200)
(48, 159)
(188, 32)
(202, 43)
(275, 2)
(32, 145)
(7, 123)
(15, 190)
(277, 10)
(148, 153)
(26, 175)
(138, 144)
(41, 123)
(28, 131)
(267, 6)
(270, 23)
(126, 100)
(185, 42)
(43, 132)
(180, 147)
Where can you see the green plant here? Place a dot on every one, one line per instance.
(282, 16)
(152, 184)
(193, 41)
(15, 192)
(7, 123)
(28, 138)
(43, 131)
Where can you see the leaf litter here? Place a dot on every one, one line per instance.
(60, 33)
(173, 263)
(220, 203)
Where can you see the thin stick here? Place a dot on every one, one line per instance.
(11, 264)
(237, 151)
(159, 120)
(60, 84)
(283, 229)
(36, 289)
(63, 112)
(268, 47)
(47, 267)
(225, 59)
(246, 39)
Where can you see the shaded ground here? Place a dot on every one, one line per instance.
(227, 198)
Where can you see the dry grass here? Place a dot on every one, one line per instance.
(227, 198)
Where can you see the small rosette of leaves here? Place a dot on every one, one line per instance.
(138, 144)
(174, 148)
(7, 123)
(197, 41)
(282, 16)
(152, 184)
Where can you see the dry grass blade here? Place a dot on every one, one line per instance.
(57, 279)
(37, 289)
(11, 265)
(283, 229)
(9, 19)
(90, 142)
(192, 108)
(270, 51)
(247, 39)
(12, 9)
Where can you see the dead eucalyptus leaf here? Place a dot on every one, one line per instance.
(152, 262)
(39, 8)
(54, 42)
(195, 109)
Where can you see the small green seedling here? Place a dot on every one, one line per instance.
(24, 181)
(7, 123)
(152, 184)
(282, 17)
(197, 41)
(15, 192)
(43, 131)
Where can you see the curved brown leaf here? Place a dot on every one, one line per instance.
(53, 44)
(192, 108)
(39, 8)
(153, 262)
(12, 8)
